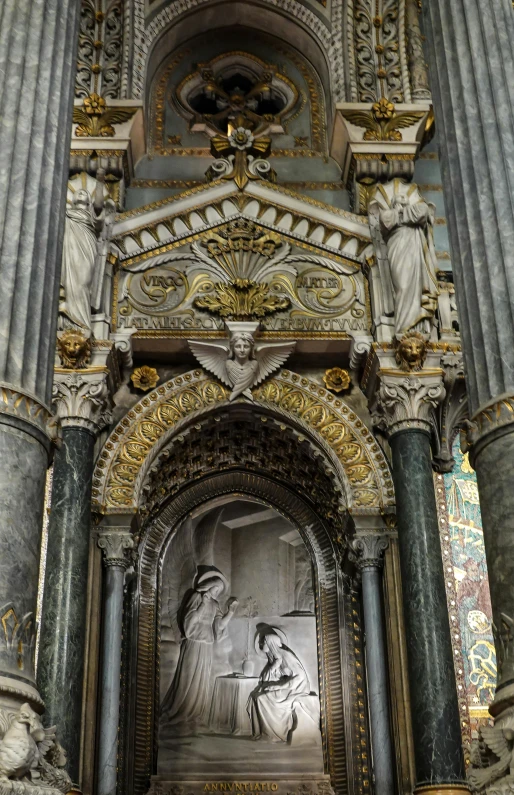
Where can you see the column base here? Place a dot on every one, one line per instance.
(442, 789)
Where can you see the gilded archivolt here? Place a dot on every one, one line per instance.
(137, 438)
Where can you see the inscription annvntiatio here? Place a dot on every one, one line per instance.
(240, 786)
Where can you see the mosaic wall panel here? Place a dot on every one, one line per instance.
(467, 587)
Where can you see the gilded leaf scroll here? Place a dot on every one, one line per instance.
(133, 443)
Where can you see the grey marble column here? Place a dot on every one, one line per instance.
(115, 544)
(369, 550)
(470, 49)
(38, 40)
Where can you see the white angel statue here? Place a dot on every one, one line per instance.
(241, 363)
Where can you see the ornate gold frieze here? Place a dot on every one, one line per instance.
(242, 299)
(135, 440)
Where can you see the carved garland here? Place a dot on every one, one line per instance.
(131, 446)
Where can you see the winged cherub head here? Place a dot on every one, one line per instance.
(242, 347)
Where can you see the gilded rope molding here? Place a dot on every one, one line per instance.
(135, 441)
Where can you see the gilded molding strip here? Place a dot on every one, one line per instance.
(135, 441)
(451, 599)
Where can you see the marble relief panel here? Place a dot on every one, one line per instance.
(238, 664)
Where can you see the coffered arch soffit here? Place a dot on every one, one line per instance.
(291, 21)
(347, 445)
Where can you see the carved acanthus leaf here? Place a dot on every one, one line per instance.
(116, 547)
(82, 400)
(409, 402)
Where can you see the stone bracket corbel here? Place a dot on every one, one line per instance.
(377, 142)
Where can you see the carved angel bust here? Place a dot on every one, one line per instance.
(241, 363)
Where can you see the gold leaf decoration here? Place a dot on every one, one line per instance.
(242, 299)
(95, 119)
(118, 471)
(382, 122)
(337, 379)
(145, 378)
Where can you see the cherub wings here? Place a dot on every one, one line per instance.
(214, 356)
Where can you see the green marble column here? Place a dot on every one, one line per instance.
(62, 635)
(81, 401)
(406, 400)
(435, 713)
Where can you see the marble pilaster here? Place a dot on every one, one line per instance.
(116, 545)
(37, 52)
(406, 401)
(469, 47)
(369, 551)
(80, 401)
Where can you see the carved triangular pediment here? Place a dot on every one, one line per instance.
(216, 253)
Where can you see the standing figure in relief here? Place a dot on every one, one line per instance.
(81, 279)
(406, 228)
(185, 708)
(282, 707)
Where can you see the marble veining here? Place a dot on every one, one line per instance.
(435, 715)
(63, 630)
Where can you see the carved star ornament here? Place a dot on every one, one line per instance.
(240, 362)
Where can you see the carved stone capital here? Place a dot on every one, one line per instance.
(82, 399)
(369, 551)
(452, 412)
(489, 423)
(23, 409)
(407, 402)
(115, 545)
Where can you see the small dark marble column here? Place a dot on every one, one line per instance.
(62, 639)
(435, 713)
(115, 544)
(370, 550)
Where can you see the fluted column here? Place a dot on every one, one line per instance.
(81, 400)
(406, 400)
(115, 545)
(470, 49)
(369, 551)
(38, 40)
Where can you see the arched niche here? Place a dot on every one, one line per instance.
(326, 420)
(340, 680)
(304, 32)
(299, 450)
